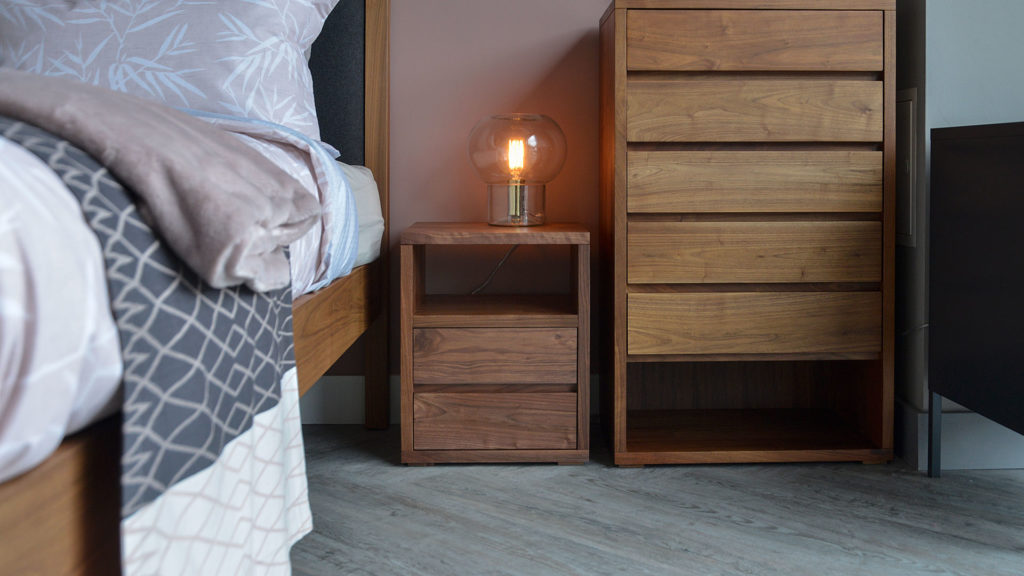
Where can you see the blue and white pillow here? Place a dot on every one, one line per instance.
(243, 58)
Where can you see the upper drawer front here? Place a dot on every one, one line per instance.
(753, 110)
(755, 323)
(728, 181)
(732, 40)
(494, 355)
(728, 252)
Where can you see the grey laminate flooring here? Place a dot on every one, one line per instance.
(374, 516)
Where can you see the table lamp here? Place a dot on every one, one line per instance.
(516, 155)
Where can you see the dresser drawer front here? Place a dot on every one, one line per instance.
(494, 356)
(764, 181)
(755, 323)
(728, 252)
(734, 40)
(753, 110)
(511, 421)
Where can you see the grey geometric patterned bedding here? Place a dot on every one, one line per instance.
(199, 363)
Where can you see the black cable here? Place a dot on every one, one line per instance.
(490, 277)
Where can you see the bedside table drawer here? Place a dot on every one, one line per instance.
(513, 421)
(746, 252)
(494, 356)
(769, 40)
(702, 109)
(682, 181)
(755, 323)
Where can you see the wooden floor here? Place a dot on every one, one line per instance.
(376, 517)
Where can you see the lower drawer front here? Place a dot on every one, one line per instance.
(755, 323)
(494, 355)
(511, 421)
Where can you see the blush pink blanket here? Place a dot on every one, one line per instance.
(222, 207)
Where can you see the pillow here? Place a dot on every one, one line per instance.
(237, 57)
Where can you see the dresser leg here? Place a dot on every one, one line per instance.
(934, 435)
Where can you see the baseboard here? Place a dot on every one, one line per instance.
(969, 441)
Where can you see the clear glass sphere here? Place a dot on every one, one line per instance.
(521, 148)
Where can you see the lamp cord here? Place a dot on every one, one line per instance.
(490, 277)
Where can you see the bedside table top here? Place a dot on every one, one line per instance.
(483, 233)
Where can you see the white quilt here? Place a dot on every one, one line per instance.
(60, 358)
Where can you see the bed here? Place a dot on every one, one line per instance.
(62, 517)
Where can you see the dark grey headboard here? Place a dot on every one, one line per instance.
(337, 64)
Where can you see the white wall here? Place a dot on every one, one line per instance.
(975, 62)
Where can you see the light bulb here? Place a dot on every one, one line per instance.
(517, 155)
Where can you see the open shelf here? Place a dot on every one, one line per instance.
(752, 435)
(487, 311)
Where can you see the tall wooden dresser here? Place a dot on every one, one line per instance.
(746, 230)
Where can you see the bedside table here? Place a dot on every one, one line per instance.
(495, 378)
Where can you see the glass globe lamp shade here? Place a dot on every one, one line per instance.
(516, 155)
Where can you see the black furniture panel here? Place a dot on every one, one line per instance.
(976, 270)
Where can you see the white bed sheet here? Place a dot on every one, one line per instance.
(60, 355)
(60, 360)
(371, 221)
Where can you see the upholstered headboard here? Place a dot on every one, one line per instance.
(337, 64)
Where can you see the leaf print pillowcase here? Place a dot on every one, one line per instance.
(243, 58)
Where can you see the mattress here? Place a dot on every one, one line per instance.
(60, 360)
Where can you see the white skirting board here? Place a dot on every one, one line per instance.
(969, 441)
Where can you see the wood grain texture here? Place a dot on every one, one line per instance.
(581, 288)
(511, 421)
(715, 252)
(754, 323)
(753, 110)
(756, 4)
(328, 321)
(764, 435)
(737, 385)
(409, 274)
(430, 457)
(373, 517)
(494, 378)
(882, 405)
(481, 233)
(493, 311)
(494, 355)
(607, 362)
(63, 516)
(376, 154)
(744, 181)
(730, 40)
(619, 311)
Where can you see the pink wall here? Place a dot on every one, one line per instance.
(456, 61)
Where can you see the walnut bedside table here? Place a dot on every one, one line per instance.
(495, 378)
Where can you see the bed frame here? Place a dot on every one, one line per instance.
(63, 516)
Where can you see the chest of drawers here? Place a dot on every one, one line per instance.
(747, 229)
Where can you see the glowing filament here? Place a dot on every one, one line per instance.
(516, 156)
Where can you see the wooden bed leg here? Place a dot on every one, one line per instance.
(377, 389)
